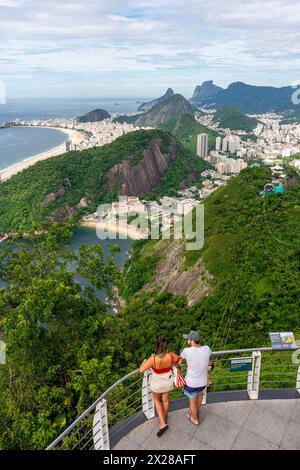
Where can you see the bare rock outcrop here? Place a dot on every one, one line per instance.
(172, 276)
(63, 213)
(53, 196)
(139, 178)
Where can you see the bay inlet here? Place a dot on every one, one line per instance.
(17, 144)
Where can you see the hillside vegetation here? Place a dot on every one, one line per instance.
(252, 254)
(186, 129)
(173, 107)
(232, 118)
(61, 348)
(56, 187)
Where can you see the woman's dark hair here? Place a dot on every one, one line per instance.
(161, 346)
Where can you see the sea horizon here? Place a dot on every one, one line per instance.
(17, 146)
(45, 108)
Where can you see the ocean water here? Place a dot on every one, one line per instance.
(19, 143)
(29, 109)
(88, 236)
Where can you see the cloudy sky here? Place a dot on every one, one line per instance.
(137, 48)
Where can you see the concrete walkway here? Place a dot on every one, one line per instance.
(262, 424)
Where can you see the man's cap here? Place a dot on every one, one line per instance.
(194, 335)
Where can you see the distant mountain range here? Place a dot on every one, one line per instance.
(246, 98)
(148, 105)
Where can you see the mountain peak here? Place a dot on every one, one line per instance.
(169, 92)
(149, 104)
(207, 90)
(172, 107)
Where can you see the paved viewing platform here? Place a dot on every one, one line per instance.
(253, 403)
(252, 424)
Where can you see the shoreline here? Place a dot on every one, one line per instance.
(109, 227)
(73, 134)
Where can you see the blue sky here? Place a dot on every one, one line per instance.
(138, 48)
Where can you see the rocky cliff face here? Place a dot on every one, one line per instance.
(172, 276)
(135, 179)
(66, 211)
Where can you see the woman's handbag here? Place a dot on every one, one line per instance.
(179, 380)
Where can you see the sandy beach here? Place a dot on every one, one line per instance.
(76, 136)
(124, 230)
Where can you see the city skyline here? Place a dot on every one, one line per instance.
(108, 49)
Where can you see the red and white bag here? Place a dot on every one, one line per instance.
(179, 380)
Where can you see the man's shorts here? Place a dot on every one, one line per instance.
(192, 392)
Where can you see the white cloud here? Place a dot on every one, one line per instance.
(12, 3)
(172, 38)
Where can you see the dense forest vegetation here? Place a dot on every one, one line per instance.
(252, 250)
(186, 129)
(233, 119)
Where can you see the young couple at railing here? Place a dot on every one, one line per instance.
(164, 376)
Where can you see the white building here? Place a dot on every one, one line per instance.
(202, 145)
(225, 145)
(218, 144)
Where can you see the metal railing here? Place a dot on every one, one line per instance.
(130, 400)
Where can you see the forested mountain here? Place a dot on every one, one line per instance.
(61, 350)
(245, 279)
(94, 116)
(233, 119)
(174, 107)
(253, 99)
(186, 129)
(138, 163)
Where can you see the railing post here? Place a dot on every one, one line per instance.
(254, 376)
(147, 399)
(204, 397)
(100, 427)
(298, 381)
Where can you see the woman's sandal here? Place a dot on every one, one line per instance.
(161, 431)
